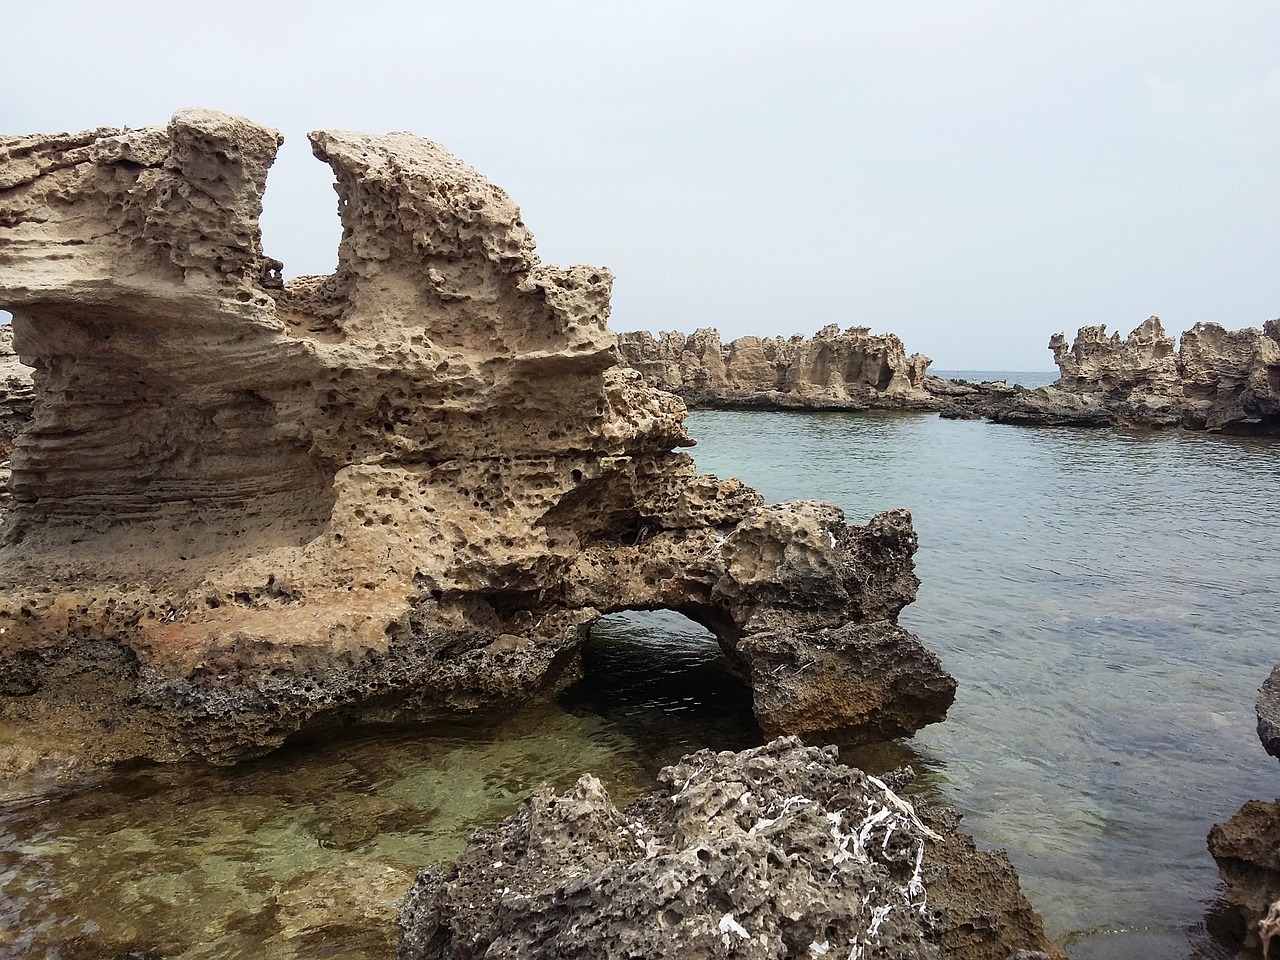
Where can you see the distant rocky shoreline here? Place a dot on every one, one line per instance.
(1218, 380)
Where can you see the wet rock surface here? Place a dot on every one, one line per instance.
(832, 370)
(1247, 849)
(245, 507)
(1215, 379)
(1268, 710)
(777, 851)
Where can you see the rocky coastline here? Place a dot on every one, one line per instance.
(833, 370)
(1217, 380)
(245, 508)
(242, 509)
(1247, 849)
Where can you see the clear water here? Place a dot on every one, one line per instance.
(1106, 600)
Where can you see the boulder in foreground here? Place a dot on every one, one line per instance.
(779, 851)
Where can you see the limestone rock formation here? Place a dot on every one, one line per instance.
(1247, 847)
(1268, 710)
(1145, 361)
(778, 851)
(16, 401)
(852, 370)
(245, 507)
(1217, 379)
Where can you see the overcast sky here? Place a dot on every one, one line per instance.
(971, 176)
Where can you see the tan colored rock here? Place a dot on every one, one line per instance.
(245, 507)
(1247, 850)
(348, 909)
(777, 851)
(16, 402)
(1217, 379)
(833, 370)
(1231, 378)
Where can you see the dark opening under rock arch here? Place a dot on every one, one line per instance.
(656, 672)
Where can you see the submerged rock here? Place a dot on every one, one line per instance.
(346, 910)
(1218, 379)
(832, 370)
(245, 507)
(777, 851)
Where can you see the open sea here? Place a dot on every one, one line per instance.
(1106, 599)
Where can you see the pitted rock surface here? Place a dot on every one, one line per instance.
(779, 851)
(1247, 851)
(17, 397)
(243, 507)
(1247, 847)
(1268, 710)
(1217, 380)
(833, 370)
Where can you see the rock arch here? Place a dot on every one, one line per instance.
(403, 489)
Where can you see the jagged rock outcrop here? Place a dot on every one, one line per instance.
(1268, 710)
(778, 851)
(245, 507)
(852, 370)
(1247, 848)
(1217, 379)
(16, 401)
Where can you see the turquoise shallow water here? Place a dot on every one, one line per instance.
(1106, 600)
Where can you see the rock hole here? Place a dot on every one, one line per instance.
(655, 670)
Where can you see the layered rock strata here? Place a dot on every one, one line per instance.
(778, 851)
(853, 370)
(17, 397)
(244, 507)
(1247, 849)
(1216, 379)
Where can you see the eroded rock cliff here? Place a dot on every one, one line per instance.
(1216, 379)
(779, 851)
(245, 507)
(850, 370)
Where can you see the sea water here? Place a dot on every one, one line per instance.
(1105, 598)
